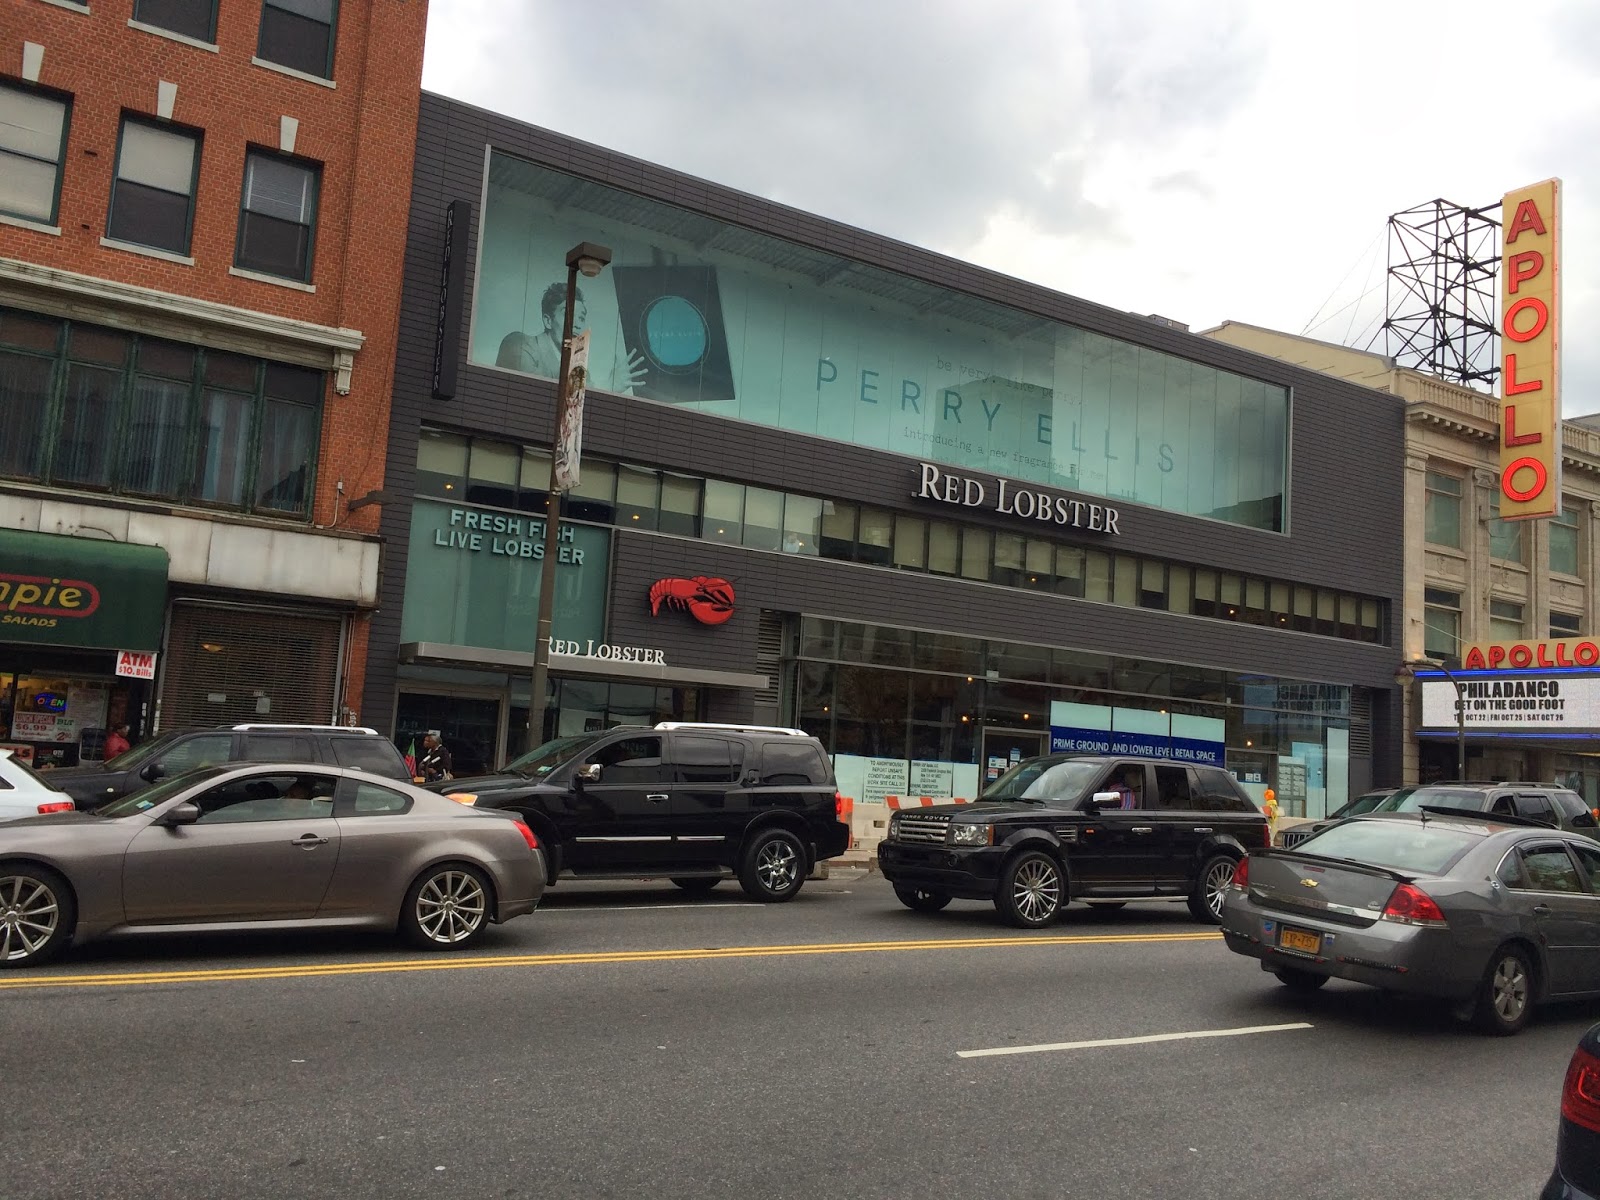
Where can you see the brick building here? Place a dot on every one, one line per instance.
(203, 207)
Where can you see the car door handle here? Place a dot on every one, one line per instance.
(1541, 910)
(309, 841)
(1203, 829)
(655, 797)
(1142, 829)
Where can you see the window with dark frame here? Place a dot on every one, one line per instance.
(1565, 625)
(33, 139)
(152, 194)
(1441, 619)
(192, 18)
(299, 34)
(1565, 541)
(278, 215)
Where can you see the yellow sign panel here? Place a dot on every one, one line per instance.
(1530, 352)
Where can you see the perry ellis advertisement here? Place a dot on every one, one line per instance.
(735, 323)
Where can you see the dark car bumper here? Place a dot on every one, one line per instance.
(1577, 1173)
(831, 841)
(971, 874)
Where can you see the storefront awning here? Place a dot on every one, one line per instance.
(81, 592)
(581, 665)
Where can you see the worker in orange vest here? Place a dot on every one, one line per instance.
(1269, 805)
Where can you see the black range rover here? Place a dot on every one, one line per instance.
(1073, 827)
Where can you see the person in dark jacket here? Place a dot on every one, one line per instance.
(435, 762)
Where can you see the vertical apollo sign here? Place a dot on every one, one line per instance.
(569, 439)
(1530, 347)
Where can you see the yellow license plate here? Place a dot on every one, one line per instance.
(1299, 939)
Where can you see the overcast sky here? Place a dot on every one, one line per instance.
(1234, 159)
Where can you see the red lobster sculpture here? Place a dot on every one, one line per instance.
(707, 599)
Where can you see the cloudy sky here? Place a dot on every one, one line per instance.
(1234, 159)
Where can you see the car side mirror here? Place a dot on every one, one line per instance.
(588, 773)
(1102, 800)
(186, 813)
(151, 772)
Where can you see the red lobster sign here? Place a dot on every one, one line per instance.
(707, 599)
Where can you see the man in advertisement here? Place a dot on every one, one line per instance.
(540, 353)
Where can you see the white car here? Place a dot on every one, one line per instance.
(24, 794)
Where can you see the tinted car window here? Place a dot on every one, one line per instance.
(1550, 869)
(1572, 809)
(287, 797)
(277, 747)
(1172, 788)
(1219, 793)
(199, 751)
(1536, 807)
(369, 754)
(792, 764)
(706, 759)
(631, 761)
(360, 799)
(1589, 856)
(1427, 849)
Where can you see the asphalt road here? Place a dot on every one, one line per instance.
(628, 1042)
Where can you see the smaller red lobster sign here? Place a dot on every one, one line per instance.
(707, 599)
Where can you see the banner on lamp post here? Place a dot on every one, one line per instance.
(569, 439)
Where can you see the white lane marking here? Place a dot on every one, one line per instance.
(581, 908)
(1132, 1041)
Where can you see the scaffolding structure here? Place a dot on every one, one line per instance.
(1441, 312)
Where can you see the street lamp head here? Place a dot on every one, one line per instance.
(590, 258)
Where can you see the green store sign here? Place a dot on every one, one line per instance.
(81, 592)
(473, 577)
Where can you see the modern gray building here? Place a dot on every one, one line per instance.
(940, 517)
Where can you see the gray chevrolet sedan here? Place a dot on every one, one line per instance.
(265, 846)
(1491, 914)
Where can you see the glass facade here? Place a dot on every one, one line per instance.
(699, 313)
(451, 466)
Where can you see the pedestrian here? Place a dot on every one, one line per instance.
(1270, 807)
(435, 762)
(117, 742)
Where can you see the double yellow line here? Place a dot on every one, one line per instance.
(15, 982)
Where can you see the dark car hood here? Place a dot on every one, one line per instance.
(980, 810)
(481, 784)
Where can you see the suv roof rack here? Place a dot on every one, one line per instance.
(732, 728)
(1478, 814)
(310, 728)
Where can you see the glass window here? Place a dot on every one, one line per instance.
(875, 538)
(1180, 589)
(944, 548)
(1505, 537)
(153, 444)
(152, 196)
(223, 458)
(838, 529)
(492, 473)
(763, 519)
(1152, 583)
(1070, 568)
(1349, 617)
(1550, 869)
(1565, 625)
(977, 549)
(1124, 580)
(277, 747)
(441, 464)
(1010, 550)
(638, 490)
(287, 797)
(88, 409)
(631, 761)
(594, 499)
(1443, 509)
(1304, 619)
(1441, 623)
(724, 512)
(1371, 621)
(33, 139)
(199, 751)
(1564, 541)
(1278, 605)
(192, 18)
(1230, 595)
(277, 215)
(372, 800)
(288, 455)
(680, 505)
(792, 764)
(1505, 621)
(1097, 576)
(1255, 601)
(377, 755)
(706, 759)
(802, 524)
(910, 542)
(298, 34)
(1327, 613)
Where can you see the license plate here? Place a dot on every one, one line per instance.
(1302, 940)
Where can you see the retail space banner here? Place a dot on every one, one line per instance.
(1533, 703)
(473, 577)
(1142, 733)
(82, 592)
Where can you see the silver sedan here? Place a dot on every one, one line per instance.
(1490, 914)
(265, 846)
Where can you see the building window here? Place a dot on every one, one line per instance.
(1505, 537)
(1444, 509)
(1505, 621)
(87, 407)
(1565, 625)
(1441, 636)
(298, 34)
(33, 138)
(152, 199)
(192, 18)
(1564, 541)
(277, 215)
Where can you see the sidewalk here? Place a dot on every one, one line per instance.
(851, 862)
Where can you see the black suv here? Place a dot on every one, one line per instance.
(1074, 827)
(1546, 803)
(180, 750)
(682, 800)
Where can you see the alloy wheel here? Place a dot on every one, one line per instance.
(1036, 890)
(1509, 989)
(776, 864)
(450, 907)
(29, 915)
(1218, 880)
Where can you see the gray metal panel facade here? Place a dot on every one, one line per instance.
(1344, 507)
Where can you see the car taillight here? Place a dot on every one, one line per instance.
(527, 836)
(1241, 875)
(57, 806)
(838, 804)
(1580, 1098)
(1412, 906)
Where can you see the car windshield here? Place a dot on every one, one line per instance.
(1395, 800)
(130, 760)
(1359, 805)
(1043, 779)
(1441, 797)
(1416, 849)
(147, 798)
(541, 760)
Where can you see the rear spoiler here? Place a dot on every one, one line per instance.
(1344, 864)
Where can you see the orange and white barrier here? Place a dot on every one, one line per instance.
(922, 801)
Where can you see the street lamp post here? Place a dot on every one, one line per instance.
(590, 259)
(1408, 672)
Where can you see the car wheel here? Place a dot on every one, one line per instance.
(697, 885)
(36, 915)
(1297, 980)
(447, 908)
(1108, 905)
(1505, 997)
(1205, 902)
(774, 866)
(921, 899)
(1033, 890)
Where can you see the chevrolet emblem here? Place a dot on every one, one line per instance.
(1308, 883)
